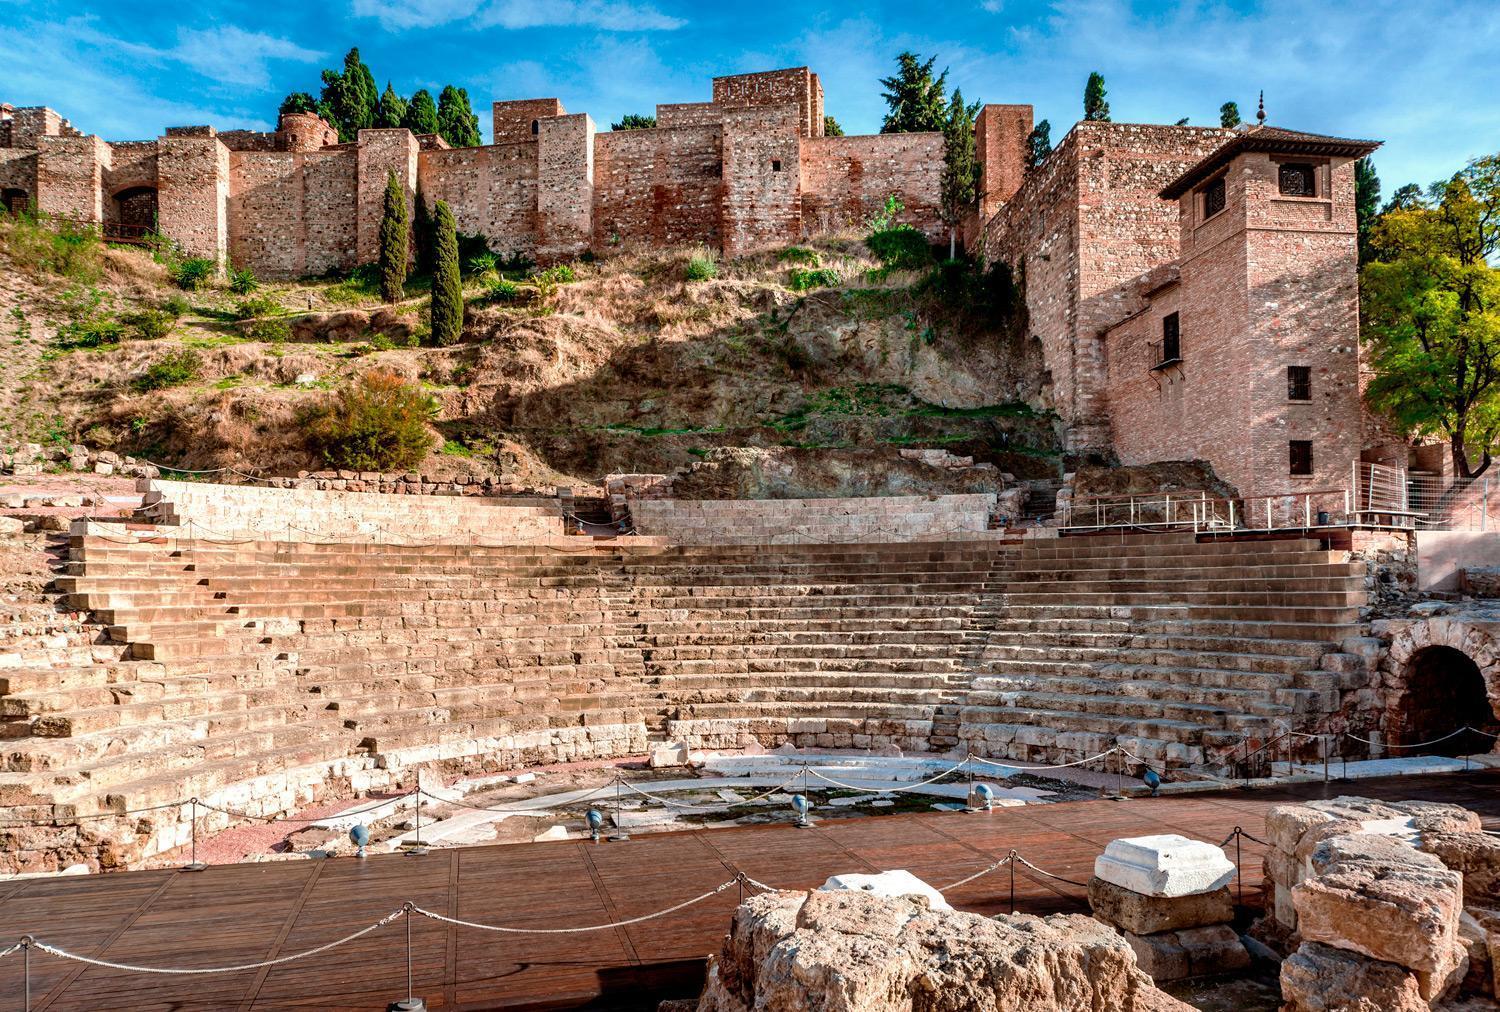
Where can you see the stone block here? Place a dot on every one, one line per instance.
(898, 882)
(674, 753)
(1165, 865)
(1191, 952)
(1476, 856)
(1147, 915)
(1320, 978)
(1285, 825)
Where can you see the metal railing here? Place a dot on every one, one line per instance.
(1423, 500)
(1200, 512)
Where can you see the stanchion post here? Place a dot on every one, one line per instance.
(1325, 758)
(1011, 860)
(411, 1003)
(619, 835)
(26, 968)
(193, 863)
(418, 850)
(1239, 872)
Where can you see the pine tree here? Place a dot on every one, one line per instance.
(1038, 144)
(350, 97)
(1095, 108)
(392, 109)
(298, 101)
(960, 182)
(456, 121)
(917, 100)
(1229, 115)
(1366, 206)
(447, 289)
(1406, 198)
(421, 113)
(634, 121)
(394, 245)
(422, 234)
(831, 127)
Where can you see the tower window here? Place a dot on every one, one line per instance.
(536, 127)
(1301, 456)
(1171, 338)
(776, 165)
(1297, 180)
(1213, 198)
(1298, 383)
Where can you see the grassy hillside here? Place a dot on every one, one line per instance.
(634, 362)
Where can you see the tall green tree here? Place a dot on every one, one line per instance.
(960, 180)
(421, 113)
(1038, 144)
(298, 101)
(1431, 307)
(1229, 115)
(447, 288)
(1095, 108)
(394, 241)
(423, 233)
(831, 127)
(1404, 199)
(634, 121)
(917, 101)
(392, 108)
(1366, 206)
(350, 97)
(456, 120)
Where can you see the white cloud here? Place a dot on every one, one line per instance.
(603, 15)
(399, 14)
(234, 56)
(993, 6)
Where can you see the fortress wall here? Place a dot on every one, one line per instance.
(193, 191)
(250, 140)
(687, 114)
(659, 186)
(381, 152)
(132, 163)
(70, 171)
(762, 186)
(795, 86)
(846, 179)
(292, 214)
(491, 190)
(511, 122)
(18, 168)
(565, 186)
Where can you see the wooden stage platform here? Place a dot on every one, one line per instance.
(252, 912)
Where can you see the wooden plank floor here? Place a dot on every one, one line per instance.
(251, 912)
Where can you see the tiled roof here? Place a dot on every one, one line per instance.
(1270, 139)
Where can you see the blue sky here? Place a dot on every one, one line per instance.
(1418, 75)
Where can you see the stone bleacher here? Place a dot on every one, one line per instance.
(248, 511)
(262, 673)
(826, 521)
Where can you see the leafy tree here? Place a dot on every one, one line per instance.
(1405, 198)
(1095, 108)
(392, 109)
(917, 100)
(375, 423)
(297, 101)
(423, 233)
(447, 288)
(1366, 205)
(1229, 115)
(960, 181)
(456, 120)
(1038, 144)
(394, 247)
(350, 97)
(634, 121)
(1431, 304)
(421, 113)
(831, 127)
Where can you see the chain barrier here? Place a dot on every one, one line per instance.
(1238, 832)
(708, 808)
(573, 931)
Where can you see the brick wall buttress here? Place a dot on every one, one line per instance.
(193, 192)
(382, 152)
(762, 183)
(565, 186)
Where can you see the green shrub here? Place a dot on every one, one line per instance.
(151, 324)
(503, 290)
(193, 273)
(242, 280)
(701, 268)
(172, 369)
(900, 247)
(38, 243)
(260, 305)
(93, 331)
(802, 279)
(474, 248)
(269, 330)
(799, 255)
(176, 306)
(481, 263)
(375, 423)
(559, 274)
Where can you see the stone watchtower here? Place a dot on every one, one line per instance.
(1250, 358)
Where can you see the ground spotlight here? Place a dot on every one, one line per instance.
(359, 835)
(596, 821)
(981, 798)
(800, 805)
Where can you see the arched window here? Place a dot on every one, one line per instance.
(536, 127)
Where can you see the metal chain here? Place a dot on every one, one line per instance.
(571, 931)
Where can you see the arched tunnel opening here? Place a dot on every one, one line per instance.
(1445, 692)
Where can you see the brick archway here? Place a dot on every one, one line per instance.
(1446, 674)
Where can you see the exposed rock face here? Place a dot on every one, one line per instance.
(1145, 915)
(853, 952)
(1320, 978)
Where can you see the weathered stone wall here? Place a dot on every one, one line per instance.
(380, 153)
(686, 114)
(70, 176)
(293, 214)
(780, 521)
(1000, 136)
(193, 191)
(796, 85)
(565, 187)
(18, 170)
(846, 179)
(492, 190)
(762, 199)
(518, 122)
(658, 186)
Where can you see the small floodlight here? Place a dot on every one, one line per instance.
(595, 819)
(800, 805)
(1153, 781)
(981, 798)
(359, 835)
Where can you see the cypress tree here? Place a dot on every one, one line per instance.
(831, 127)
(456, 120)
(447, 289)
(350, 97)
(298, 101)
(392, 108)
(421, 113)
(1038, 144)
(960, 183)
(1229, 115)
(394, 248)
(1094, 106)
(634, 121)
(1366, 207)
(422, 237)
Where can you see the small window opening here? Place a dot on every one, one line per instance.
(536, 127)
(1171, 338)
(1297, 179)
(1299, 383)
(776, 165)
(1301, 456)
(1213, 198)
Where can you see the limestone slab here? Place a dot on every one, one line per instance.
(1191, 952)
(1147, 915)
(1164, 865)
(898, 882)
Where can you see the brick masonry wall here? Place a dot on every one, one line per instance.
(1000, 136)
(70, 174)
(293, 214)
(492, 190)
(687, 114)
(762, 202)
(794, 86)
(380, 153)
(18, 170)
(511, 121)
(193, 193)
(743, 521)
(304, 131)
(565, 187)
(658, 186)
(846, 179)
